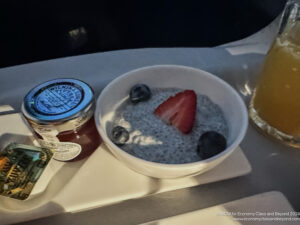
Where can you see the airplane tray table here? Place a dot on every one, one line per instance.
(274, 166)
(262, 209)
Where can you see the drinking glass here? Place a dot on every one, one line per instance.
(275, 104)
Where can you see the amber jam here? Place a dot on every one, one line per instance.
(61, 113)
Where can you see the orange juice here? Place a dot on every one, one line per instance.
(276, 100)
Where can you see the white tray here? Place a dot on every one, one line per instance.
(263, 209)
(99, 180)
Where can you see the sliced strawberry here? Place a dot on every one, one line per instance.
(179, 110)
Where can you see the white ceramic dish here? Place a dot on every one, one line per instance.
(179, 77)
(57, 196)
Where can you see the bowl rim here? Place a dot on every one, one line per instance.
(229, 149)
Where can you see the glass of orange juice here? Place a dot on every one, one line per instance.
(275, 104)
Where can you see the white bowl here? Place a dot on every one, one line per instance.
(181, 77)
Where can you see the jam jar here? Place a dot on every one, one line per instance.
(61, 115)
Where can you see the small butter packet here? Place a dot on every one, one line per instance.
(20, 168)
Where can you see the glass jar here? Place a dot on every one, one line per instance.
(274, 107)
(61, 114)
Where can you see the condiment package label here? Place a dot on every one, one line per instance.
(64, 151)
(47, 133)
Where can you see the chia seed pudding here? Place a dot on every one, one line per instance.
(153, 140)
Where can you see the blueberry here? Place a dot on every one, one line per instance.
(139, 93)
(210, 143)
(119, 135)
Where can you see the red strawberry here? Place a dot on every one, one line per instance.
(179, 110)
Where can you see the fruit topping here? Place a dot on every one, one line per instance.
(179, 110)
(211, 143)
(119, 135)
(139, 93)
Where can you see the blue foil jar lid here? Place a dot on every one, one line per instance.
(57, 100)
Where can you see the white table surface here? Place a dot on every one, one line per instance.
(255, 210)
(275, 167)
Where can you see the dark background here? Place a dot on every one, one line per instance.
(34, 30)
